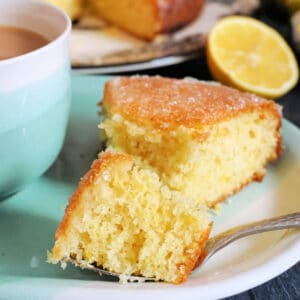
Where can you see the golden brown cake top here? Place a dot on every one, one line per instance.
(167, 103)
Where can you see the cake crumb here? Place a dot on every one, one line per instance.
(123, 278)
(217, 209)
(34, 262)
(106, 176)
(63, 265)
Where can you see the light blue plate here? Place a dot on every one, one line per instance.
(29, 219)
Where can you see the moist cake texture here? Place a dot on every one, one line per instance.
(123, 218)
(204, 140)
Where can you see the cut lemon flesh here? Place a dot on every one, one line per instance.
(250, 55)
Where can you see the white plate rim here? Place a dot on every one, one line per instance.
(133, 67)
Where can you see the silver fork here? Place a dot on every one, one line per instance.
(220, 241)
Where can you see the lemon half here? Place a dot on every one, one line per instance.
(245, 53)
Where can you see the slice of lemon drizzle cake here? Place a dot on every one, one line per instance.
(205, 140)
(175, 147)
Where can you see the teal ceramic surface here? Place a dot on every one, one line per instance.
(33, 120)
(29, 219)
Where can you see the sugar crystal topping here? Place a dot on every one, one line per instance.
(166, 102)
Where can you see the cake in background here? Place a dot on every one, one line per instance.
(124, 219)
(147, 18)
(204, 140)
(144, 18)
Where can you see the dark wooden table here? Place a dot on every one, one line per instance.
(287, 285)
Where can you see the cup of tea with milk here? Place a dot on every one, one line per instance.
(34, 90)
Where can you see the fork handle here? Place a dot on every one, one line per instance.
(220, 241)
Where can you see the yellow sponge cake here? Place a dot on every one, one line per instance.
(204, 140)
(122, 217)
(147, 18)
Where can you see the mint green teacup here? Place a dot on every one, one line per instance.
(34, 95)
